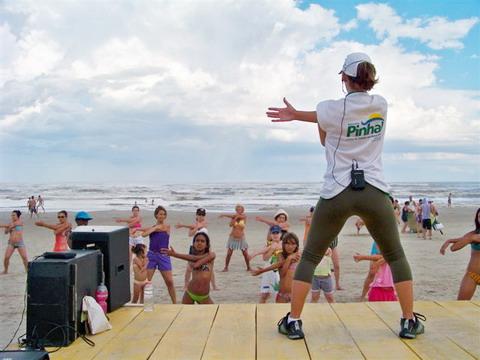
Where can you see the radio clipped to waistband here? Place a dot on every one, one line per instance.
(358, 177)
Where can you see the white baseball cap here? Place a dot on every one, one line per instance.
(351, 63)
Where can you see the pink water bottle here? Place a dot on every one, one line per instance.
(101, 295)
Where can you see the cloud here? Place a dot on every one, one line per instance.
(181, 78)
(436, 32)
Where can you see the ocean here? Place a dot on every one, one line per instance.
(215, 197)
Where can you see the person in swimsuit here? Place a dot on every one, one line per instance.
(471, 279)
(61, 230)
(236, 239)
(134, 223)
(15, 241)
(198, 290)
(199, 225)
(159, 239)
(286, 265)
(140, 262)
(270, 254)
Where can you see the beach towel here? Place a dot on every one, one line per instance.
(96, 319)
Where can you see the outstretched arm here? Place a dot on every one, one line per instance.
(204, 260)
(461, 242)
(155, 228)
(259, 252)
(289, 113)
(357, 257)
(259, 270)
(184, 226)
(265, 221)
(45, 225)
(187, 257)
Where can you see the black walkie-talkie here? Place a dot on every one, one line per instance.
(358, 177)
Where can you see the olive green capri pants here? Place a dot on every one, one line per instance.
(375, 208)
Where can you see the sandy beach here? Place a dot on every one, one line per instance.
(436, 277)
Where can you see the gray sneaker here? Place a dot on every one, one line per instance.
(409, 329)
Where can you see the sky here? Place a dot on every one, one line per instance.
(176, 91)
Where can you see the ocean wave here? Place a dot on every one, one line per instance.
(214, 197)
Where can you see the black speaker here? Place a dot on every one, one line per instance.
(112, 241)
(55, 289)
(24, 355)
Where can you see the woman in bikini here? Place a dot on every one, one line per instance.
(198, 290)
(15, 241)
(236, 239)
(61, 230)
(134, 223)
(471, 279)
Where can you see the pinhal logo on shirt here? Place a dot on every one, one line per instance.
(368, 128)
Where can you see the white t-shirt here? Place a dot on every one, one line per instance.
(361, 139)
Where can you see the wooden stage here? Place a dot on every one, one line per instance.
(249, 331)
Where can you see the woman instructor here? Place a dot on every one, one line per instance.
(352, 129)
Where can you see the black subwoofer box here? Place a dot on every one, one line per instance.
(112, 241)
(55, 289)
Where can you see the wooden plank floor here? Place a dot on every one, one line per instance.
(249, 331)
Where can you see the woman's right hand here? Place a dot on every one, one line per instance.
(282, 114)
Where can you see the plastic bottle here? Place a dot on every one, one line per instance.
(101, 295)
(148, 297)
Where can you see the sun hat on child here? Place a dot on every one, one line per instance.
(351, 63)
(280, 212)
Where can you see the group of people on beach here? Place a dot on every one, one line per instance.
(34, 205)
(416, 217)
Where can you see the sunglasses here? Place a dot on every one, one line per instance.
(61, 217)
(275, 232)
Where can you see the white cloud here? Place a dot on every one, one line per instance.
(433, 156)
(436, 32)
(24, 114)
(216, 65)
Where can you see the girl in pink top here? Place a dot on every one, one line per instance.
(381, 288)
